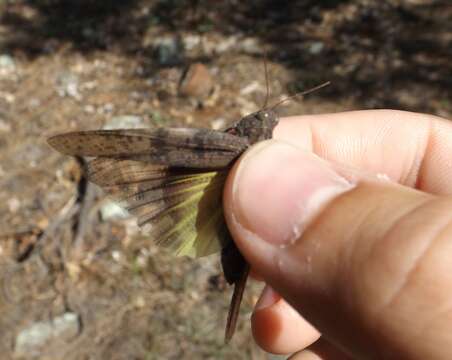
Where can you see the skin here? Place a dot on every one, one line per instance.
(366, 261)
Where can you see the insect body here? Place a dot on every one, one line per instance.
(173, 179)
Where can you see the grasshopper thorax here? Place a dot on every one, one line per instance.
(257, 126)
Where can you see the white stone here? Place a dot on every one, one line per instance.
(125, 122)
(32, 340)
(316, 47)
(112, 211)
(218, 124)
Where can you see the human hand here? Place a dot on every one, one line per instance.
(356, 238)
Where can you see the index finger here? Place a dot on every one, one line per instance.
(410, 148)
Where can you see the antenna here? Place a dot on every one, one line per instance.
(306, 92)
(267, 86)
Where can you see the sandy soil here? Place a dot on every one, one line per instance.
(80, 64)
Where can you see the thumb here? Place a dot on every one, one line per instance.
(365, 260)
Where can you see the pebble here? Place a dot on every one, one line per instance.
(4, 126)
(117, 256)
(9, 98)
(250, 45)
(89, 109)
(13, 205)
(68, 86)
(229, 43)
(112, 211)
(40, 335)
(169, 51)
(139, 302)
(316, 47)
(7, 64)
(191, 41)
(125, 122)
(197, 82)
(218, 124)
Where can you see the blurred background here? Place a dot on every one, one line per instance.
(78, 279)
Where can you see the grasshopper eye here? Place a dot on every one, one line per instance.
(263, 115)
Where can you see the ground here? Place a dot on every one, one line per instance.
(67, 65)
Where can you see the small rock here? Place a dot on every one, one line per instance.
(9, 98)
(112, 211)
(226, 44)
(218, 124)
(13, 205)
(66, 326)
(316, 47)
(89, 109)
(250, 45)
(191, 41)
(7, 64)
(196, 82)
(168, 51)
(117, 256)
(125, 122)
(73, 269)
(7, 61)
(4, 126)
(68, 86)
(139, 302)
(32, 340)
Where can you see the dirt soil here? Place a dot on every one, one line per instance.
(67, 65)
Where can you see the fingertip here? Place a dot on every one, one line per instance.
(271, 194)
(278, 328)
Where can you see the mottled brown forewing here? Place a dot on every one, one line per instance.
(173, 147)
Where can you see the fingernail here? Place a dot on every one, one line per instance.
(278, 188)
(267, 298)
